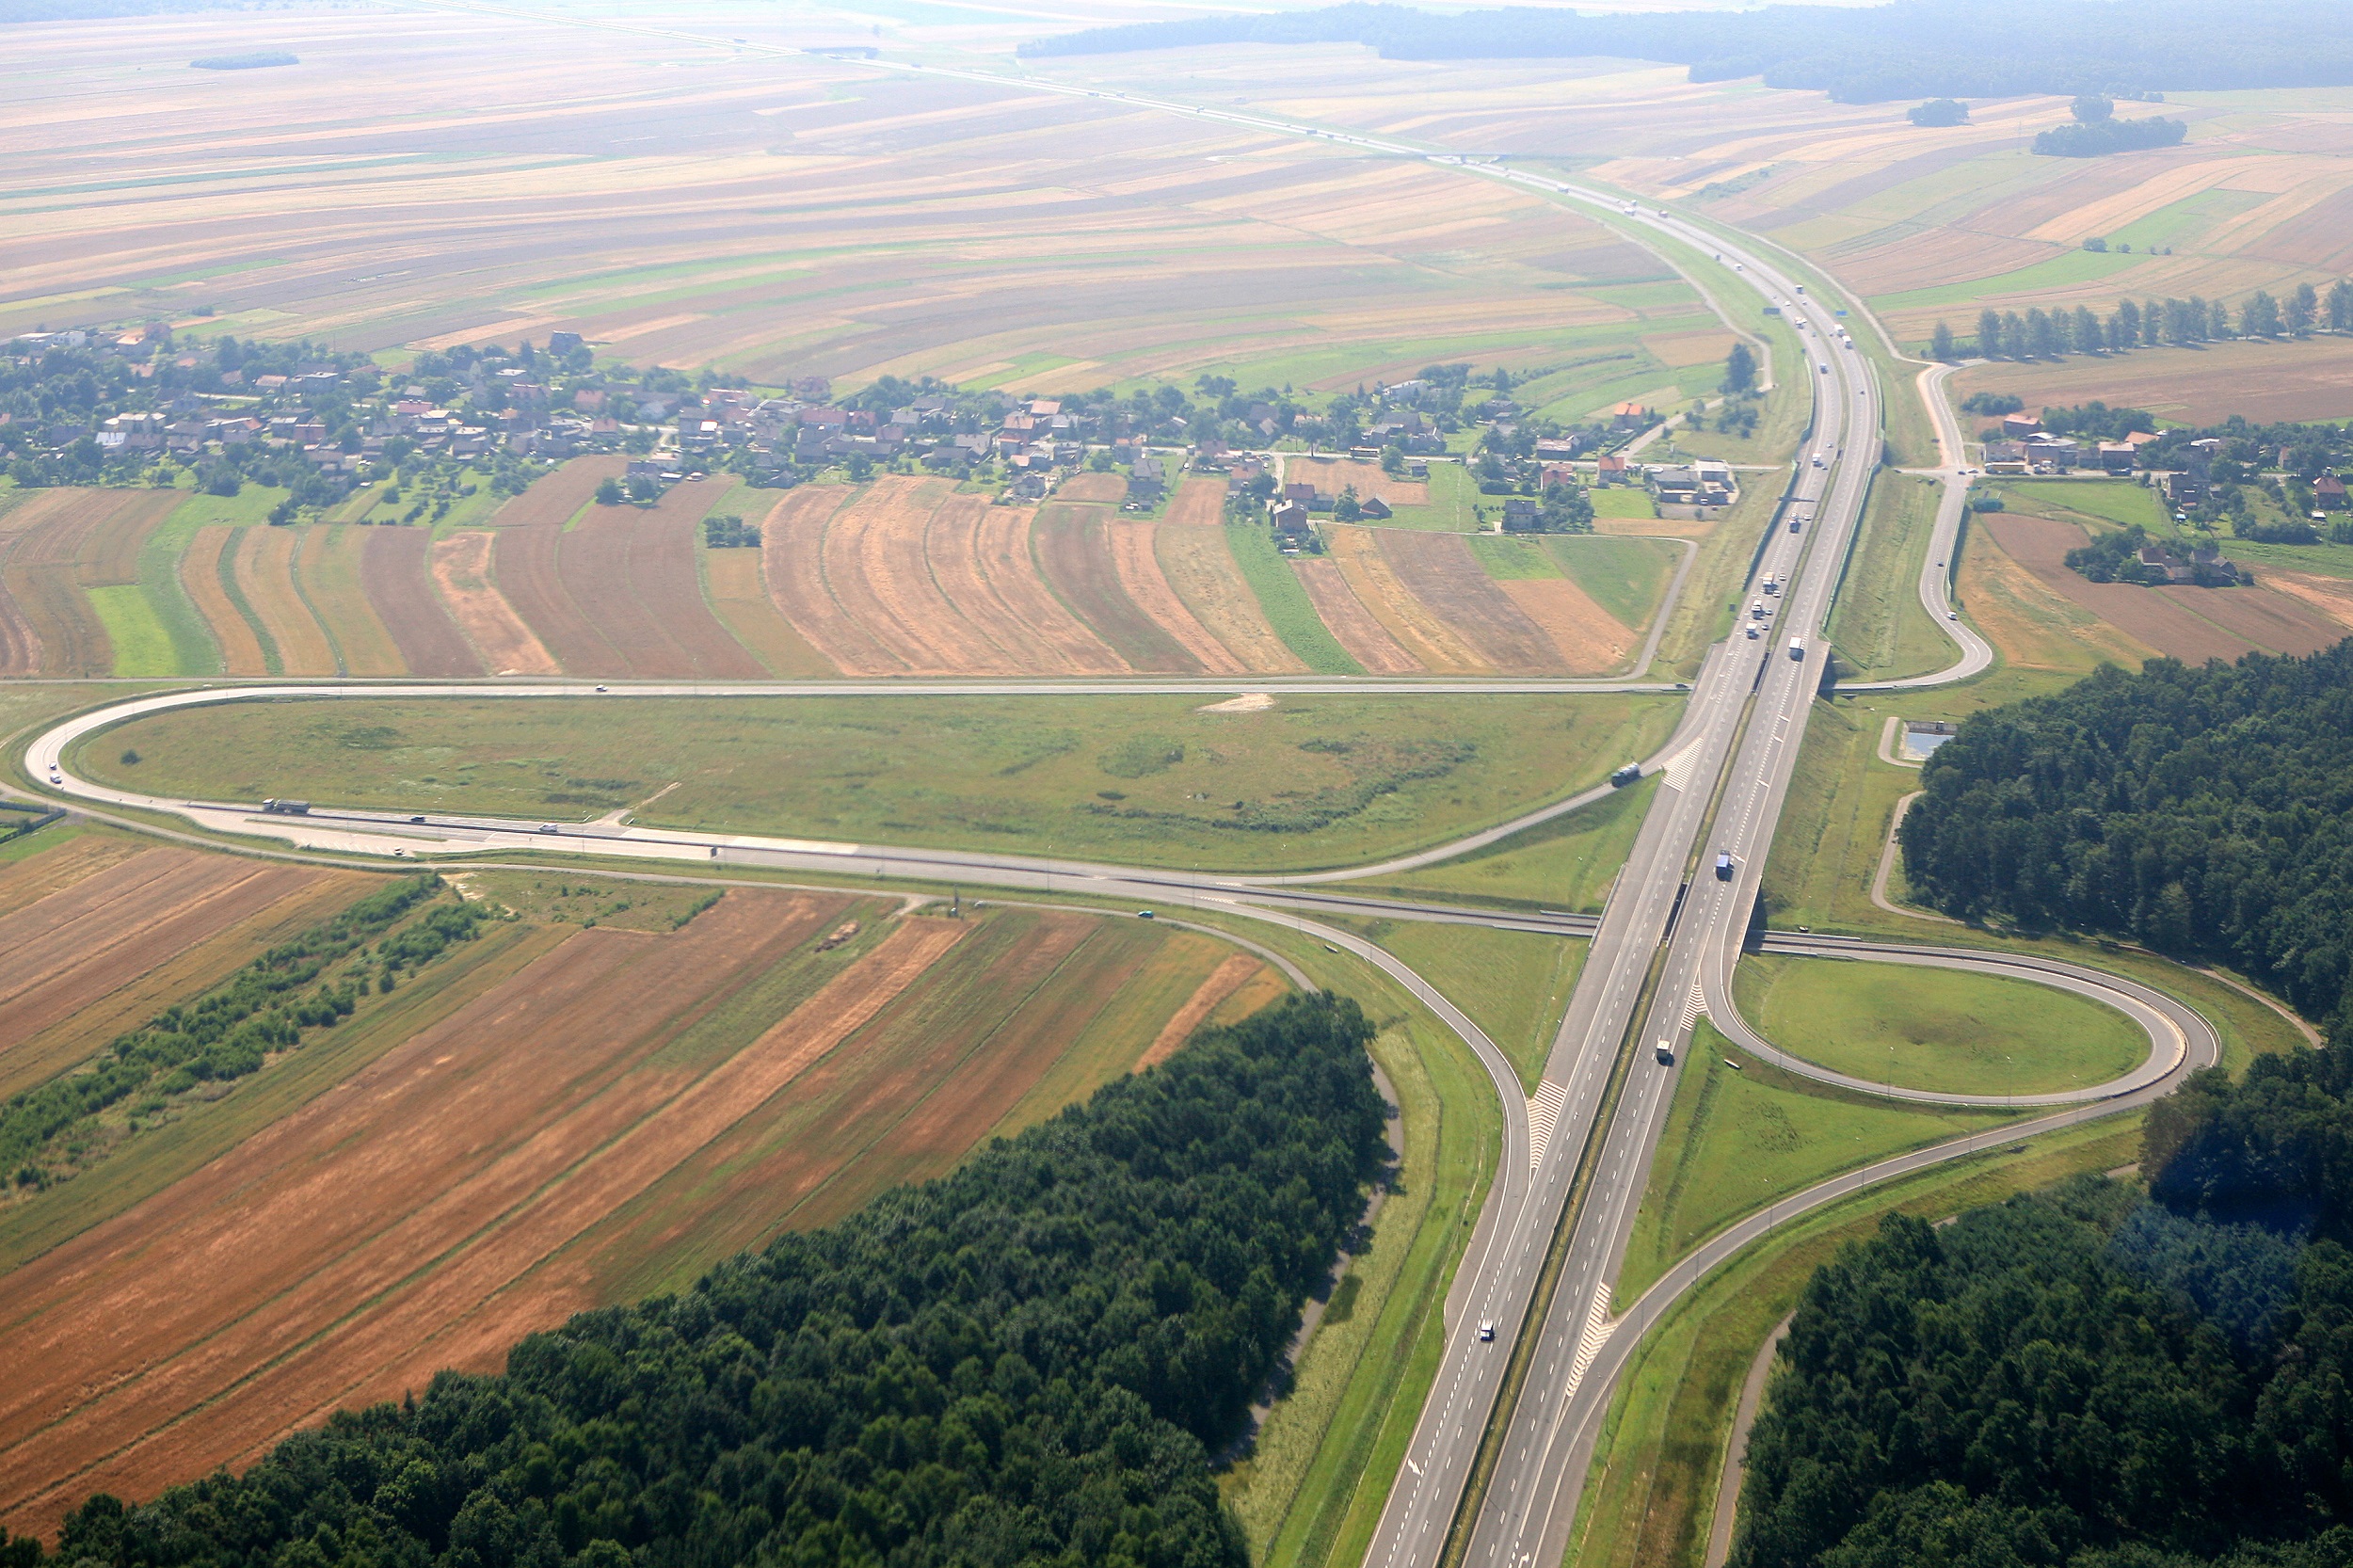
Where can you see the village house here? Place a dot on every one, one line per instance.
(2329, 493)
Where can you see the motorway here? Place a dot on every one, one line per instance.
(1662, 954)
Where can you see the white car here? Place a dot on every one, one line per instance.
(1952, 614)
(1486, 1329)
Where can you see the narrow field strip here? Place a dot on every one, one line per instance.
(264, 573)
(793, 547)
(1074, 552)
(332, 564)
(1589, 639)
(109, 553)
(396, 573)
(740, 598)
(525, 570)
(203, 574)
(596, 561)
(1223, 982)
(1004, 546)
(1435, 645)
(667, 577)
(953, 550)
(1365, 640)
(554, 500)
(1200, 568)
(1137, 561)
(492, 634)
(61, 633)
(875, 568)
(1439, 570)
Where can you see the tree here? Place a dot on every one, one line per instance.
(2124, 326)
(644, 489)
(611, 494)
(2340, 307)
(1739, 369)
(1939, 112)
(2041, 339)
(2259, 317)
(2015, 342)
(1348, 508)
(2217, 319)
(1941, 341)
(1393, 460)
(2151, 324)
(2091, 108)
(2302, 307)
(2088, 338)
(1565, 509)
(1989, 334)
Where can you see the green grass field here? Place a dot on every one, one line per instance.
(2063, 270)
(1625, 502)
(1287, 608)
(1514, 985)
(1567, 863)
(1880, 626)
(194, 651)
(141, 646)
(1313, 781)
(1737, 1140)
(1625, 577)
(2118, 501)
(1452, 495)
(1937, 1028)
(250, 508)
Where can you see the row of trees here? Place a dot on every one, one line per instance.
(2041, 334)
(2084, 1378)
(1027, 1361)
(2207, 812)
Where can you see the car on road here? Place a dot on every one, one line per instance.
(548, 827)
(1144, 914)
(55, 777)
(604, 688)
(1486, 1329)
(1952, 614)
(416, 819)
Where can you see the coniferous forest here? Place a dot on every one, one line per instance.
(1027, 1361)
(2084, 1378)
(2207, 812)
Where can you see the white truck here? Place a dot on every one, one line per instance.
(1797, 647)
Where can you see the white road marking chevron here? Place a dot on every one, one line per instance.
(1543, 1113)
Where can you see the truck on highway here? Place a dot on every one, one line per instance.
(1797, 647)
(287, 808)
(1724, 866)
(1666, 1050)
(1773, 584)
(1630, 774)
(1756, 610)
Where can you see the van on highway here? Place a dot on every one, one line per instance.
(1797, 647)
(1665, 1053)
(1756, 610)
(1723, 865)
(1772, 583)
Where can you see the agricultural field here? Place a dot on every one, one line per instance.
(1937, 1028)
(904, 576)
(2038, 599)
(603, 1092)
(1923, 224)
(771, 215)
(1288, 781)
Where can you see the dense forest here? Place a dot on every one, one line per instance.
(2203, 812)
(1858, 55)
(2084, 1378)
(1027, 1361)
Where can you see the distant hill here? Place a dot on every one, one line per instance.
(1912, 49)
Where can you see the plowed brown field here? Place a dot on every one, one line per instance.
(461, 568)
(1200, 565)
(1092, 487)
(79, 945)
(264, 566)
(2191, 624)
(1439, 570)
(54, 630)
(395, 569)
(332, 564)
(1365, 639)
(739, 595)
(792, 545)
(525, 569)
(110, 555)
(1075, 549)
(199, 573)
(557, 498)
(1437, 646)
(2330, 596)
(632, 573)
(1199, 500)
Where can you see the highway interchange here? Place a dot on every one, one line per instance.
(1663, 949)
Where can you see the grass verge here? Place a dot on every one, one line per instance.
(1567, 863)
(1514, 985)
(1879, 625)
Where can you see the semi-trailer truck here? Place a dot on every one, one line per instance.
(287, 808)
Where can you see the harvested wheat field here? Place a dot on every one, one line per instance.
(553, 500)
(204, 568)
(2262, 381)
(525, 572)
(739, 597)
(1365, 639)
(979, 555)
(1440, 570)
(331, 568)
(1437, 646)
(595, 1115)
(116, 931)
(51, 548)
(264, 563)
(1199, 565)
(1199, 500)
(2189, 624)
(1108, 487)
(1076, 547)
